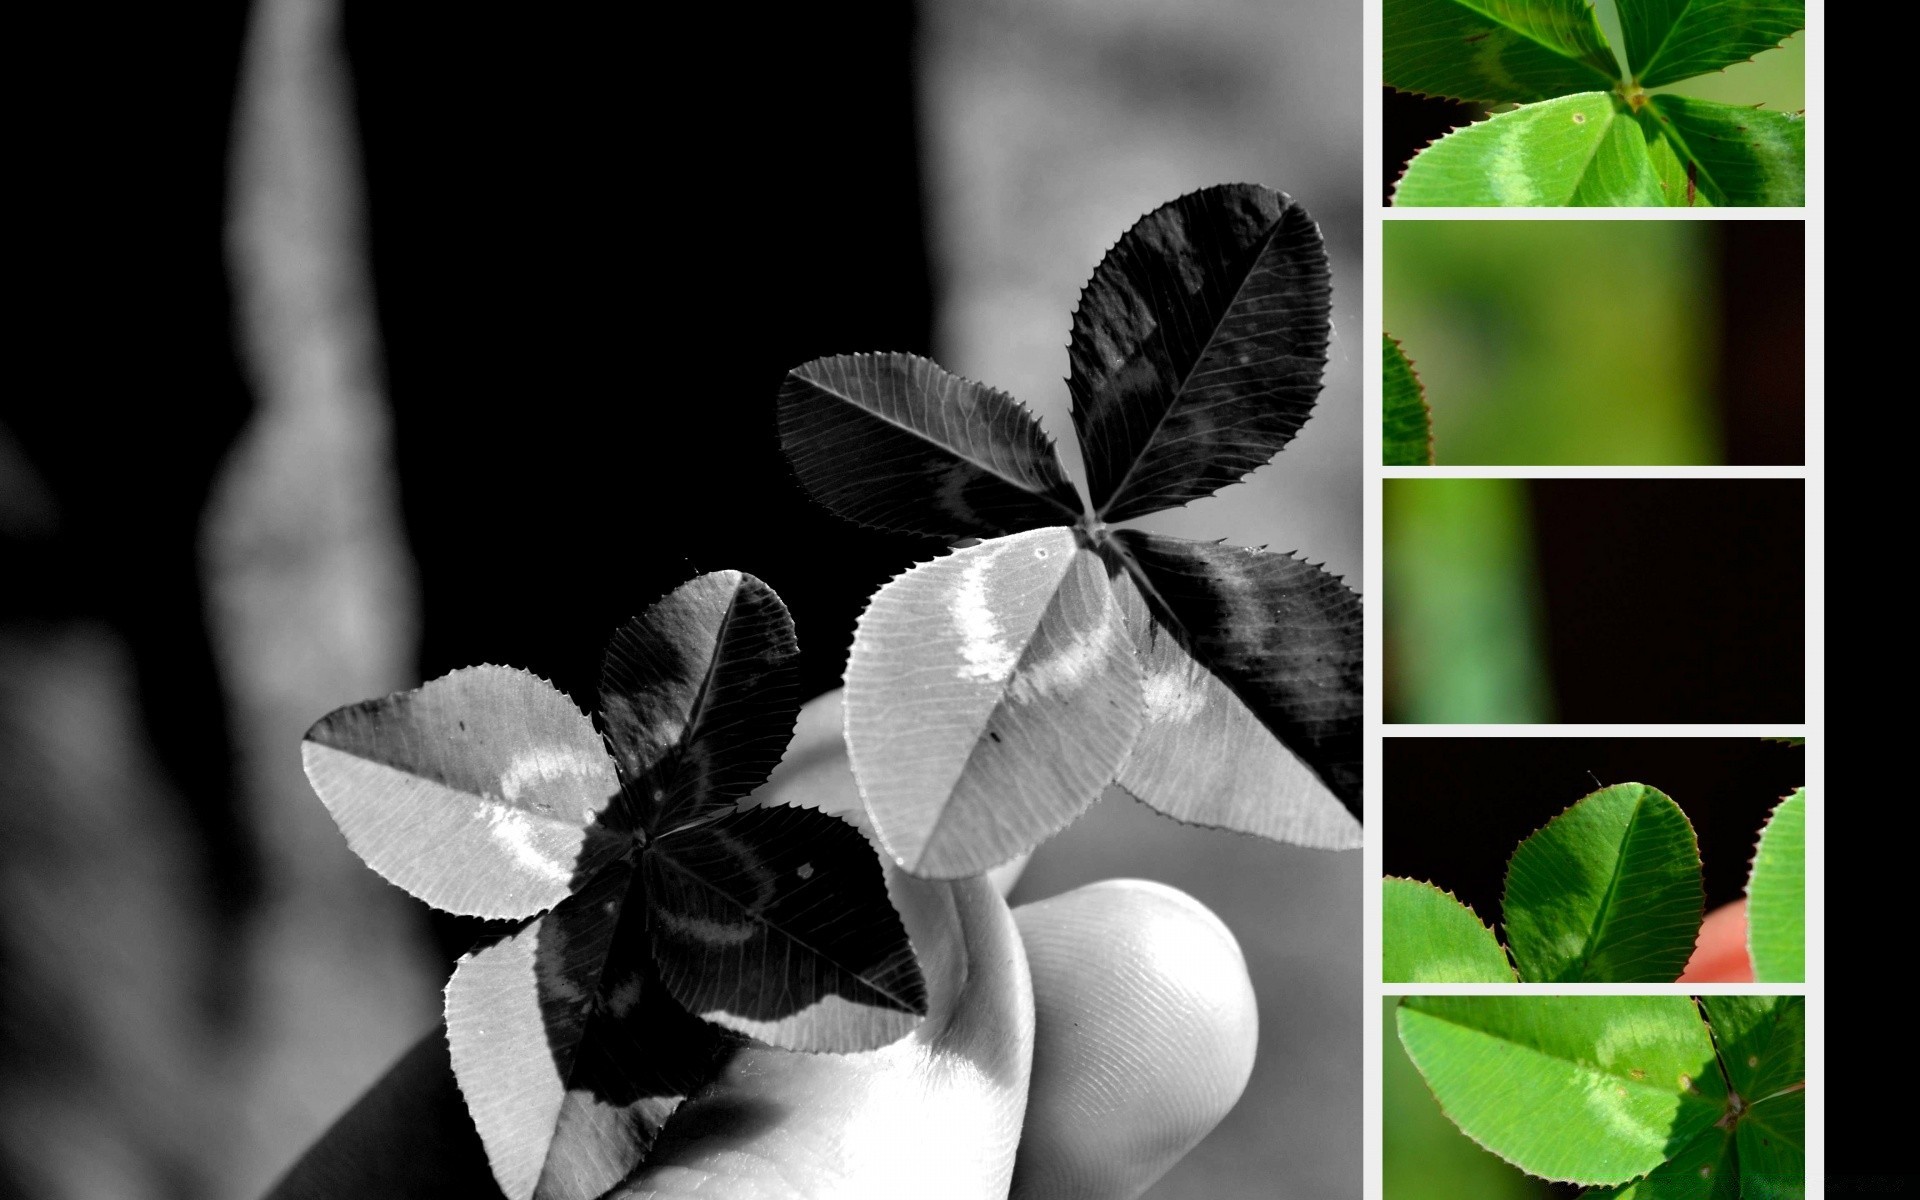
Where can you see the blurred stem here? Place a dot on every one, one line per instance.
(1463, 629)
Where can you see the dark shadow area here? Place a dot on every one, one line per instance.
(143, 393)
(716, 891)
(1761, 356)
(592, 276)
(1673, 599)
(1408, 124)
(1457, 807)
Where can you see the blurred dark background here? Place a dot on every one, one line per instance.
(1642, 343)
(1595, 600)
(1457, 807)
(392, 340)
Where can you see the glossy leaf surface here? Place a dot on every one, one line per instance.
(894, 442)
(1203, 757)
(991, 695)
(1609, 891)
(1197, 347)
(1282, 633)
(474, 792)
(1580, 150)
(1590, 1089)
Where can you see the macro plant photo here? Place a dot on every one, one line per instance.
(1574, 872)
(1593, 600)
(1642, 103)
(1606, 892)
(1609, 1097)
(1627, 343)
(469, 750)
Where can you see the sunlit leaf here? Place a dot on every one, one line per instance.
(1777, 895)
(1704, 1169)
(1762, 1041)
(1582, 150)
(894, 442)
(1406, 440)
(1203, 757)
(1671, 40)
(1741, 157)
(474, 792)
(1197, 347)
(1588, 1089)
(1609, 891)
(775, 922)
(569, 1053)
(1772, 1139)
(1428, 936)
(991, 695)
(1282, 633)
(699, 695)
(1494, 51)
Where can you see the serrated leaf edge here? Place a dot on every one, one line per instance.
(1286, 202)
(1693, 839)
(1419, 384)
(1046, 437)
(1438, 1103)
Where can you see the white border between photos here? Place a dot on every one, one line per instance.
(1813, 472)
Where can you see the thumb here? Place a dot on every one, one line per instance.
(937, 1114)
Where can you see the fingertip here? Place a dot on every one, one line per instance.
(1146, 1028)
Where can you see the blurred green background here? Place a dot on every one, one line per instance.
(1424, 1155)
(1559, 341)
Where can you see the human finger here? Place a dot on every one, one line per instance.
(1145, 1029)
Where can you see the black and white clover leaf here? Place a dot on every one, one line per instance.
(766, 923)
(699, 695)
(1203, 757)
(1283, 636)
(569, 1052)
(1198, 347)
(475, 792)
(569, 1046)
(991, 695)
(893, 442)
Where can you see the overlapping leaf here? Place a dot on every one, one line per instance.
(894, 442)
(1772, 1141)
(1581, 150)
(1282, 634)
(1582, 136)
(1707, 1168)
(991, 695)
(1738, 157)
(1197, 347)
(1406, 439)
(1608, 891)
(1777, 895)
(1671, 40)
(1204, 757)
(1428, 936)
(1588, 1089)
(573, 1037)
(1495, 51)
(1762, 1042)
(699, 695)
